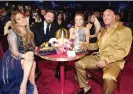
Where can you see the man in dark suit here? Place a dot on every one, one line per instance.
(45, 30)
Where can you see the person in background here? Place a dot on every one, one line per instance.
(17, 72)
(114, 46)
(60, 21)
(97, 14)
(94, 27)
(4, 18)
(43, 12)
(118, 19)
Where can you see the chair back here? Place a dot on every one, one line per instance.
(3, 45)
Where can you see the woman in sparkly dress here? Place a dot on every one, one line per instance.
(17, 69)
(79, 33)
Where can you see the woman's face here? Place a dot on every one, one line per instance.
(20, 20)
(92, 19)
(79, 21)
(89, 18)
(43, 12)
(59, 16)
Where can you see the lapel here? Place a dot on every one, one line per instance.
(42, 28)
(51, 28)
(110, 33)
(100, 37)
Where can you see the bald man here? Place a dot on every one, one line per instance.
(114, 42)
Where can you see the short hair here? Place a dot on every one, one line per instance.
(51, 11)
(110, 11)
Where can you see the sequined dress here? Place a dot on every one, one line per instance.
(79, 38)
(11, 72)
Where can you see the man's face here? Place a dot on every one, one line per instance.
(108, 17)
(49, 17)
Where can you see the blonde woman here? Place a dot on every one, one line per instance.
(79, 33)
(18, 65)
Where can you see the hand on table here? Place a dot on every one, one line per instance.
(84, 46)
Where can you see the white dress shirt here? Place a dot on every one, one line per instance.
(45, 26)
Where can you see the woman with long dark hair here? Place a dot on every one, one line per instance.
(60, 21)
(94, 27)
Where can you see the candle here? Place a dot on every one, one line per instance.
(62, 37)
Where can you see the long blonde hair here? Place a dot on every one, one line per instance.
(28, 37)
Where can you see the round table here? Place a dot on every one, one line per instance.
(63, 58)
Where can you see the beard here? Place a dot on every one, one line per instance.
(48, 21)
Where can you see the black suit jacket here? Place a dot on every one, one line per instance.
(39, 36)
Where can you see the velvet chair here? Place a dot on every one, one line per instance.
(3, 45)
